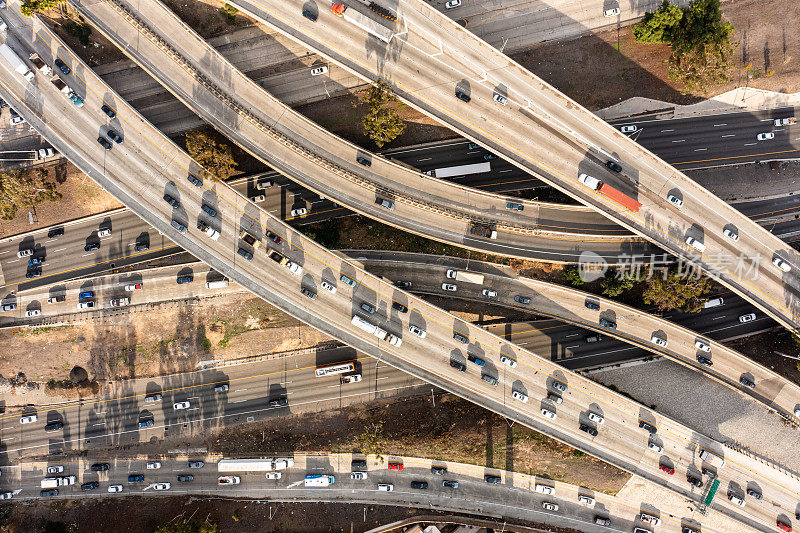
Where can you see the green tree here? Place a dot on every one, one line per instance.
(373, 440)
(614, 284)
(573, 276)
(30, 7)
(24, 189)
(216, 159)
(381, 121)
(677, 291)
(658, 27)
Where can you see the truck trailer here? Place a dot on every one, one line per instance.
(318, 480)
(16, 62)
(460, 170)
(468, 277)
(362, 21)
(59, 481)
(618, 196)
(255, 465)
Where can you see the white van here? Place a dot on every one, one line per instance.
(218, 284)
(590, 181)
(697, 245)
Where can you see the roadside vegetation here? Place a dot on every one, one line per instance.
(215, 158)
(31, 7)
(25, 189)
(700, 42)
(381, 121)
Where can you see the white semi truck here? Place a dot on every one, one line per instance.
(16, 62)
(59, 481)
(318, 480)
(460, 170)
(362, 21)
(255, 465)
(382, 334)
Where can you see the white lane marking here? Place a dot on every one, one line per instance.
(425, 159)
(726, 136)
(509, 170)
(570, 347)
(718, 318)
(385, 377)
(718, 125)
(750, 144)
(664, 131)
(680, 141)
(9, 427)
(60, 250)
(332, 386)
(700, 149)
(573, 335)
(238, 401)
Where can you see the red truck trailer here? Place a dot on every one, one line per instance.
(621, 198)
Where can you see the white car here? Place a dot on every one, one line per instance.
(55, 469)
(735, 499)
(780, 263)
(658, 341)
(294, 268)
(549, 506)
(730, 234)
(328, 287)
(115, 488)
(697, 245)
(674, 200)
(44, 153)
(749, 317)
(317, 71)
(162, 486)
(85, 305)
(300, 211)
(6, 495)
(25, 253)
(547, 413)
(32, 312)
(584, 498)
(630, 128)
(386, 487)
(133, 287)
(419, 332)
(180, 405)
(545, 489)
(590, 181)
(715, 302)
(594, 417)
(449, 287)
(613, 12)
(655, 447)
(104, 232)
(358, 475)
(489, 293)
(274, 475)
(28, 419)
(785, 121)
(229, 480)
(650, 519)
(765, 136)
(16, 119)
(154, 465)
(452, 3)
(519, 396)
(508, 361)
(352, 378)
(700, 345)
(500, 99)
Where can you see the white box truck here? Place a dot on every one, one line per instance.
(16, 62)
(217, 284)
(60, 481)
(469, 277)
(363, 324)
(318, 480)
(712, 458)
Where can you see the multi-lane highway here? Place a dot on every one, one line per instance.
(140, 176)
(430, 64)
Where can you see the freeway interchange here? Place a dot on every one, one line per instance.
(146, 168)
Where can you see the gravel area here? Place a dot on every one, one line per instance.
(708, 406)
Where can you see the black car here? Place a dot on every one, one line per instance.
(747, 382)
(100, 467)
(33, 273)
(141, 247)
(399, 307)
(754, 494)
(62, 66)
(524, 300)
(439, 470)
(493, 479)
(185, 478)
(90, 485)
(280, 402)
(310, 15)
(402, 284)
(364, 161)
(461, 367)
(55, 232)
(54, 426)
(135, 478)
(588, 429)
(172, 201)
(359, 465)
(245, 253)
(460, 338)
(185, 279)
(450, 484)
(271, 236)
(48, 492)
(194, 180)
(594, 306)
(309, 293)
(108, 111)
(608, 324)
(92, 246)
(613, 165)
(422, 485)
(649, 427)
(114, 136)
(462, 96)
(696, 481)
(210, 211)
(704, 360)
(104, 143)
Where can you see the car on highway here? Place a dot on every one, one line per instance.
(85, 294)
(461, 95)
(48, 492)
(596, 418)
(178, 226)
(194, 180)
(602, 521)
(86, 305)
(613, 165)
(145, 423)
(450, 4)
(419, 332)
(368, 308)
(438, 470)
(152, 398)
(92, 246)
(172, 201)
(547, 413)
(520, 396)
(55, 469)
(259, 197)
(780, 263)
(184, 478)
(785, 122)
(397, 306)
(590, 181)
(754, 494)
(210, 211)
(419, 485)
(449, 287)
(730, 234)
(28, 419)
(32, 313)
(693, 480)
(54, 426)
(549, 506)
(472, 358)
(358, 475)
(328, 286)
(271, 236)
(91, 485)
(658, 341)
(512, 363)
(674, 200)
(185, 279)
(783, 526)
(666, 469)
(655, 447)
(588, 429)
(177, 406)
(461, 367)
(734, 498)
(765, 136)
(104, 142)
(133, 287)
(153, 465)
(450, 483)
(703, 360)
(559, 385)
(524, 300)
(247, 254)
(347, 281)
(747, 382)
(8, 307)
(99, 467)
(585, 498)
(555, 398)
(541, 488)
(492, 478)
(394, 465)
(385, 487)
(104, 231)
(114, 136)
(222, 388)
(514, 206)
(161, 486)
(119, 302)
(591, 304)
(108, 111)
(383, 202)
(363, 161)
(33, 273)
(25, 252)
(317, 71)
(647, 426)
(135, 478)
(611, 12)
(141, 247)
(273, 475)
(351, 378)
(114, 488)
(6, 495)
(702, 345)
(55, 233)
(229, 480)
(33, 261)
(279, 402)
(300, 211)
(607, 323)
(648, 518)
(62, 66)
(500, 99)
(749, 317)
(489, 293)
(195, 464)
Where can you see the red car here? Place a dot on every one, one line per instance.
(785, 527)
(396, 466)
(667, 469)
